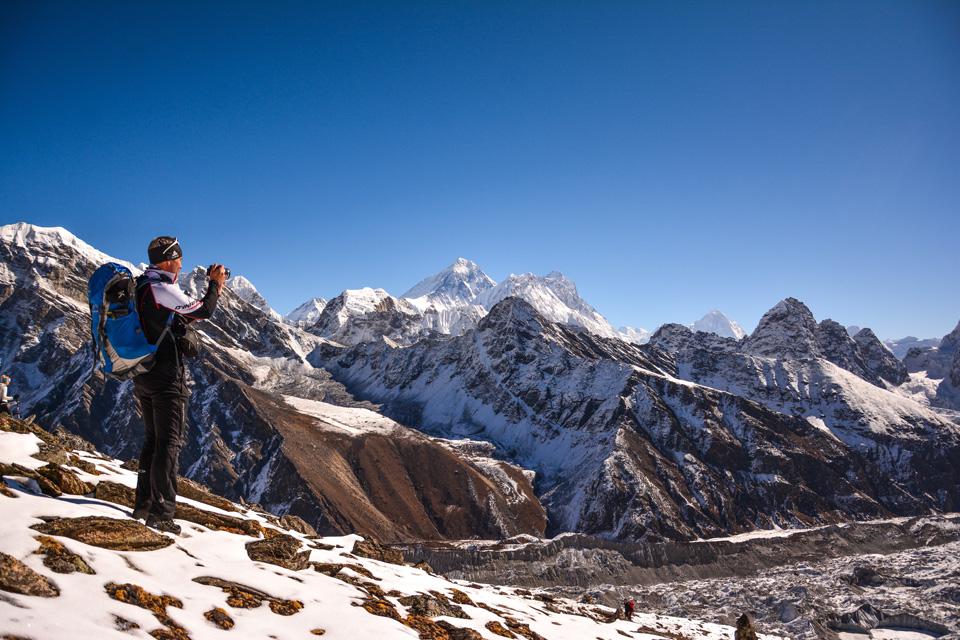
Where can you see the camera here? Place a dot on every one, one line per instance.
(225, 269)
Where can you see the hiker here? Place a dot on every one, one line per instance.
(5, 400)
(162, 391)
(628, 607)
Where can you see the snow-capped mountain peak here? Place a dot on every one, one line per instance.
(788, 328)
(28, 236)
(307, 313)
(245, 290)
(636, 335)
(554, 296)
(716, 322)
(459, 284)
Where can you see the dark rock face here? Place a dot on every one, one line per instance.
(789, 331)
(17, 577)
(878, 360)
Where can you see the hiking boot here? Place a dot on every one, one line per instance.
(141, 514)
(167, 525)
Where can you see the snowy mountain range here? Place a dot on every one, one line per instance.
(454, 300)
(482, 409)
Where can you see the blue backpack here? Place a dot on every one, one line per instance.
(120, 347)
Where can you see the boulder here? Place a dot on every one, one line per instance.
(431, 607)
(219, 618)
(65, 480)
(60, 559)
(745, 628)
(298, 524)
(281, 550)
(17, 577)
(108, 533)
(376, 551)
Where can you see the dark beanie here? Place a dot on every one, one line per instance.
(163, 248)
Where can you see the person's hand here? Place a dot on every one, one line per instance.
(218, 274)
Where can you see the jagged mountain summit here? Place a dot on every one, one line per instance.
(715, 322)
(451, 302)
(457, 285)
(307, 313)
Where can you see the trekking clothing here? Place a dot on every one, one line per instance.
(162, 392)
(166, 525)
(5, 399)
(628, 607)
(157, 296)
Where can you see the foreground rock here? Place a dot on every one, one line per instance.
(376, 551)
(60, 559)
(17, 577)
(108, 533)
(282, 550)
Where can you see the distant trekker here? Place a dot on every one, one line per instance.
(5, 400)
(628, 606)
(162, 391)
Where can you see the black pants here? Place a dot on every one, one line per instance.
(162, 395)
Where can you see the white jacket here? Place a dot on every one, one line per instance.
(3, 394)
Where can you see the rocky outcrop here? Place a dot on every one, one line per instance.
(109, 533)
(59, 559)
(281, 550)
(17, 577)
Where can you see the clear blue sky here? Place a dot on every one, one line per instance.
(669, 157)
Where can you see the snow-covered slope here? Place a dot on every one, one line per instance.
(447, 299)
(716, 322)
(307, 313)
(76, 565)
